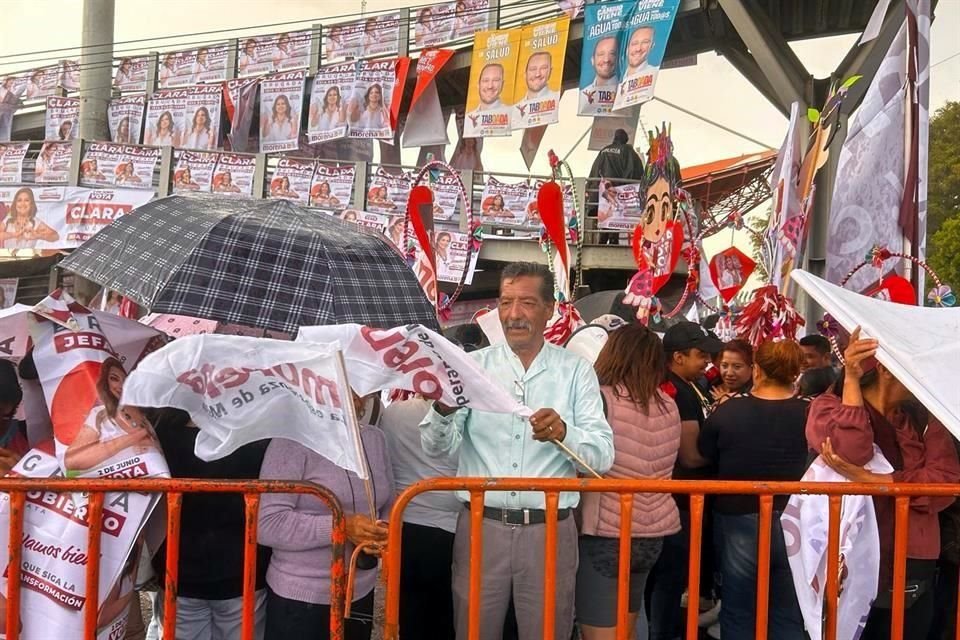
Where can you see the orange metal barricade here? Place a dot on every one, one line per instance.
(175, 489)
(765, 491)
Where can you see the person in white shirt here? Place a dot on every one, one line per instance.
(604, 61)
(280, 125)
(638, 50)
(122, 79)
(247, 57)
(200, 65)
(281, 51)
(330, 113)
(490, 86)
(537, 74)
(199, 136)
(164, 134)
(167, 70)
(375, 114)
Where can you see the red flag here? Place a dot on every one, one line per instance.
(402, 68)
(550, 205)
(420, 210)
(428, 66)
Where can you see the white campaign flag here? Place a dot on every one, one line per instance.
(239, 390)
(917, 344)
(805, 529)
(414, 358)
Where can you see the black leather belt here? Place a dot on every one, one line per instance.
(520, 517)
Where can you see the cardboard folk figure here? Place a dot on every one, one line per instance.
(658, 238)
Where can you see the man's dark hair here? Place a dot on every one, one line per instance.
(620, 137)
(10, 391)
(530, 270)
(818, 342)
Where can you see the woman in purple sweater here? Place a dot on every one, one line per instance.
(298, 528)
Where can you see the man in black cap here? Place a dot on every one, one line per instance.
(618, 161)
(688, 348)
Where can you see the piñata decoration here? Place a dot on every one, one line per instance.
(769, 316)
(730, 269)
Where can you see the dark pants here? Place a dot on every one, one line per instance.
(295, 620)
(917, 620)
(944, 625)
(738, 567)
(426, 600)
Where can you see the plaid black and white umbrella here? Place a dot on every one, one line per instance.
(260, 263)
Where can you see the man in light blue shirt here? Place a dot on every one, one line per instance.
(564, 391)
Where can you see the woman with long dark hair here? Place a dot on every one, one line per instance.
(868, 407)
(646, 437)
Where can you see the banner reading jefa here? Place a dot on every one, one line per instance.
(490, 95)
(543, 47)
(643, 42)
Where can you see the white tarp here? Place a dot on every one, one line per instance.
(919, 345)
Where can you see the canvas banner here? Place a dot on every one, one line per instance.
(643, 43)
(426, 120)
(194, 171)
(332, 187)
(108, 164)
(505, 203)
(53, 163)
(193, 66)
(292, 179)
(50, 217)
(131, 74)
(781, 237)
(125, 117)
(239, 390)
(368, 112)
(11, 161)
(599, 63)
(543, 47)
(234, 174)
(281, 98)
(332, 89)
(490, 96)
(277, 52)
(60, 119)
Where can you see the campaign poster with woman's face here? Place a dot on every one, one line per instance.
(434, 24)
(131, 73)
(446, 196)
(53, 163)
(234, 174)
(330, 94)
(332, 187)
(8, 292)
(61, 117)
(201, 118)
(128, 166)
(388, 192)
(125, 118)
(258, 55)
(281, 98)
(504, 203)
(470, 17)
(193, 66)
(165, 114)
(291, 180)
(194, 171)
(368, 111)
(11, 161)
(451, 249)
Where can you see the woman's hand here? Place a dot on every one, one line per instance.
(8, 460)
(859, 350)
(718, 393)
(850, 471)
(361, 529)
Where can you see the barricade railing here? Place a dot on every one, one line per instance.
(765, 491)
(18, 488)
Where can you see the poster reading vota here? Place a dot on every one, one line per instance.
(446, 196)
(281, 98)
(194, 171)
(201, 118)
(505, 203)
(388, 192)
(620, 207)
(11, 161)
(470, 17)
(108, 164)
(49, 217)
(131, 74)
(193, 66)
(368, 111)
(163, 126)
(599, 61)
(452, 249)
(543, 47)
(61, 117)
(491, 90)
(332, 187)
(434, 24)
(125, 118)
(234, 174)
(291, 180)
(53, 163)
(331, 92)
(643, 42)
(258, 55)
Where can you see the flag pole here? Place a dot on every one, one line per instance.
(354, 425)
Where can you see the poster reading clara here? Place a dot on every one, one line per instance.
(446, 196)
(292, 179)
(125, 118)
(108, 164)
(332, 187)
(11, 161)
(201, 118)
(131, 74)
(599, 65)
(643, 42)
(331, 92)
(194, 171)
(619, 207)
(53, 163)
(165, 113)
(368, 112)
(278, 52)
(193, 66)
(490, 95)
(388, 192)
(452, 249)
(505, 203)
(60, 119)
(281, 98)
(234, 174)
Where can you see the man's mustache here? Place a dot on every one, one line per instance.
(518, 324)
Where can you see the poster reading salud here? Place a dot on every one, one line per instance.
(291, 180)
(278, 52)
(11, 161)
(505, 203)
(373, 93)
(332, 89)
(51, 217)
(599, 76)
(60, 119)
(332, 187)
(491, 91)
(53, 163)
(194, 171)
(281, 97)
(234, 174)
(643, 43)
(131, 74)
(108, 164)
(125, 118)
(543, 47)
(193, 66)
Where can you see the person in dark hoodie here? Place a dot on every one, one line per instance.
(210, 578)
(616, 161)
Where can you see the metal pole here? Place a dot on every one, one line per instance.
(96, 68)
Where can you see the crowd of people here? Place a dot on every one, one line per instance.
(685, 406)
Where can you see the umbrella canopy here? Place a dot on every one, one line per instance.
(259, 263)
(181, 326)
